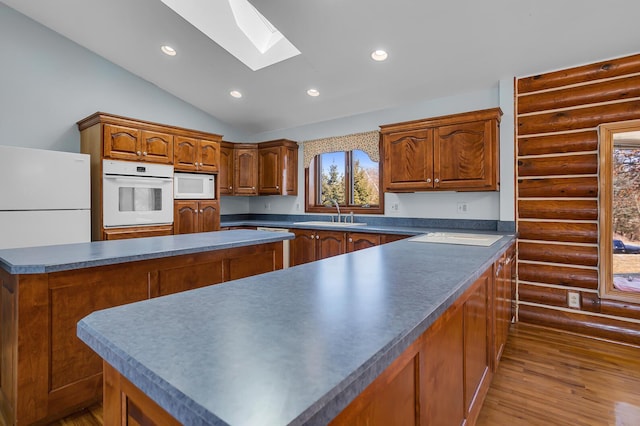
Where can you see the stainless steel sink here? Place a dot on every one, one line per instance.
(328, 223)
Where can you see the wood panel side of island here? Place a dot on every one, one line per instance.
(46, 372)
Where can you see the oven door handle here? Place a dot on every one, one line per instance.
(137, 179)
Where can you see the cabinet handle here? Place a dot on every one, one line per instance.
(350, 240)
(201, 211)
(201, 164)
(277, 187)
(317, 237)
(231, 187)
(436, 180)
(429, 180)
(144, 152)
(253, 187)
(138, 153)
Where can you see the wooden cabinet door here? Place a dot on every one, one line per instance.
(245, 173)
(408, 160)
(185, 153)
(389, 238)
(225, 175)
(185, 217)
(477, 320)
(269, 171)
(121, 142)
(157, 147)
(302, 249)
(330, 243)
(209, 216)
(208, 156)
(290, 171)
(502, 303)
(465, 156)
(361, 240)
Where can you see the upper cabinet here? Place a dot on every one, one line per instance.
(129, 143)
(225, 174)
(457, 152)
(196, 155)
(245, 169)
(267, 168)
(278, 168)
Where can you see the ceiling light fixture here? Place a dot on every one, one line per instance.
(313, 92)
(168, 50)
(235, 94)
(379, 55)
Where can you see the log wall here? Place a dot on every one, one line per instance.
(557, 118)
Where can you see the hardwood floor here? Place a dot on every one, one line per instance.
(546, 377)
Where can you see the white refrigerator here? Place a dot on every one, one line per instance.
(45, 197)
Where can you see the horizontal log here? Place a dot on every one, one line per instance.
(619, 308)
(577, 322)
(603, 91)
(559, 231)
(579, 118)
(560, 165)
(558, 209)
(549, 296)
(558, 187)
(558, 275)
(558, 253)
(600, 70)
(558, 143)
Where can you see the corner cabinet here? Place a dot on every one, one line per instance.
(278, 168)
(266, 168)
(457, 152)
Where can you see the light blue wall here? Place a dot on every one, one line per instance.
(48, 83)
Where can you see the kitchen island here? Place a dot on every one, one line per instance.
(403, 325)
(46, 372)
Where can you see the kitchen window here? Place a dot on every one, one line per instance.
(349, 178)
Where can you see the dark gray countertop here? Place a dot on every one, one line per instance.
(35, 260)
(289, 347)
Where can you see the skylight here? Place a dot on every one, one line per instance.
(237, 27)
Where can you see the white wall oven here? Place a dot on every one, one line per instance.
(135, 194)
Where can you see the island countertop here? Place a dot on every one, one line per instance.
(293, 346)
(44, 259)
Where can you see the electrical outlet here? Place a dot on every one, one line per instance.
(394, 207)
(267, 206)
(573, 299)
(298, 206)
(463, 207)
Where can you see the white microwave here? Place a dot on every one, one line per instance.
(194, 186)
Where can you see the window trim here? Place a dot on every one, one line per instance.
(312, 206)
(606, 289)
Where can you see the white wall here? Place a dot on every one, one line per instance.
(48, 83)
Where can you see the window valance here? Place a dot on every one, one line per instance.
(365, 141)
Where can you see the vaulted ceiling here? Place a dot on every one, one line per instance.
(436, 48)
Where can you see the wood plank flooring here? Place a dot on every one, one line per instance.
(546, 377)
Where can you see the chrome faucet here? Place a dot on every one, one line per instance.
(337, 207)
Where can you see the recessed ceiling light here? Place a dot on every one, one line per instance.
(379, 55)
(235, 94)
(313, 92)
(168, 50)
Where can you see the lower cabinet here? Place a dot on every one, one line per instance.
(311, 245)
(503, 297)
(442, 378)
(191, 216)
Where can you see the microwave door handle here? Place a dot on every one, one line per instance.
(137, 179)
